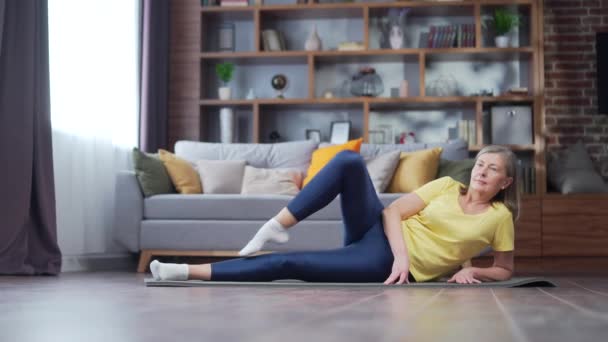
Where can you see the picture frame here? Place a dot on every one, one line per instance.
(340, 132)
(226, 37)
(314, 135)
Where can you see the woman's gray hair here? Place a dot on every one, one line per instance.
(510, 196)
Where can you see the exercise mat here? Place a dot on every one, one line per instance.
(513, 282)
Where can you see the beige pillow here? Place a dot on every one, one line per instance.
(271, 181)
(221, 176)
(182, 173)
(414, 170)
(381, 169)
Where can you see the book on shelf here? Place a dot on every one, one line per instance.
(447, 36)
(527, 178)
(467, 131)
(273, 40)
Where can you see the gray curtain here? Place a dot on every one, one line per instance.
(154, 84)
(28, 231)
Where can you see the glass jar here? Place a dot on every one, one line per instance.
(366, 83)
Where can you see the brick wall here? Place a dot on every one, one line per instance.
(570, 75)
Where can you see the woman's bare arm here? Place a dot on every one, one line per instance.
(502, 269)
(402, 208)
(392, 216)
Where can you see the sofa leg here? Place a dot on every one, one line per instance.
(144, 261)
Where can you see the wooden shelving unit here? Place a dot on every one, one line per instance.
(199, 22)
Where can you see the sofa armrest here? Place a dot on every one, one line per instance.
(128, 210)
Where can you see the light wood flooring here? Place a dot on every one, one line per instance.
(116, 306)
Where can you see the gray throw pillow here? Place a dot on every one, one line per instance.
(151, 174)
(572, 171)
(221, 176)
(382, 168)
(459, 170)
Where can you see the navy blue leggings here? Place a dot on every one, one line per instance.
(366, 255)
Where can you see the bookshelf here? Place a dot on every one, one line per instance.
(311, 74)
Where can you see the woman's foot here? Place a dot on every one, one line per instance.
(270, 231)
(162, 271)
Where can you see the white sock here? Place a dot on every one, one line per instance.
(163, 271)
(270, 231)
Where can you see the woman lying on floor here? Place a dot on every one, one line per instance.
(421, 236)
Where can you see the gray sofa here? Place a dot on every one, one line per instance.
(221, 224)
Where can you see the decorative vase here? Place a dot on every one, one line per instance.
(226, 125)
(396, 37)
(224, 93)
(501, 41)
(313, 43)
(366, 83)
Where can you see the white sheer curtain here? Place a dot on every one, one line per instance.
(93, 48)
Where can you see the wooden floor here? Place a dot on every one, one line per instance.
(115, 306)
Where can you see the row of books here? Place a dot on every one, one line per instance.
(527, 178)
(448, 36)
(225, 3)
(467, 131)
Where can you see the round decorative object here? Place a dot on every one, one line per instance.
(279, 83)
(366, 83)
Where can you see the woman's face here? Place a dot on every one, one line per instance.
(489, 174)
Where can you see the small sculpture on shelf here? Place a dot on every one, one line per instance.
(393, 28)
(279, 83)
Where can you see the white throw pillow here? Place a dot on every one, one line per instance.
(221, 176)
(271, 181)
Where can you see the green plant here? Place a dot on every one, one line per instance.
(224, 71)
(504, 21)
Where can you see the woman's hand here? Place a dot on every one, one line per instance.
(465, 276)
(401, 267)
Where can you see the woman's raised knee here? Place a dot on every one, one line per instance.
(349, 157)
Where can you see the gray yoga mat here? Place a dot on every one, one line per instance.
(513, 282)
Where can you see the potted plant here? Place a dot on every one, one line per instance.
(224, 73)
(504, 21)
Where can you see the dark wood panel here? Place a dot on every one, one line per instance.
(528, 228)
(184, 71)
(553, 265)
(566, 205)
(575, 235)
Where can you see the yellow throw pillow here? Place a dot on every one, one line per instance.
(322, 156)
(182, 173)
(414, 170)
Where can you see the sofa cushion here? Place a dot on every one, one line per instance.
(456, 149)
(233, 207)
(293, 154)
(459, 170)
(183, 175)
(271, 181)
(221, 176)
(381, 169)
(414, 170)
(324, 155)
(151, 174)
(572, 171)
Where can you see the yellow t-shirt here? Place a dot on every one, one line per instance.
(441, 236)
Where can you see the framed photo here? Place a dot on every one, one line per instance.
(340, 132)
(314, 135)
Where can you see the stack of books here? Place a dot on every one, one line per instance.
(527, 178)
(448, 36)
(234, 3)
(467, 131)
